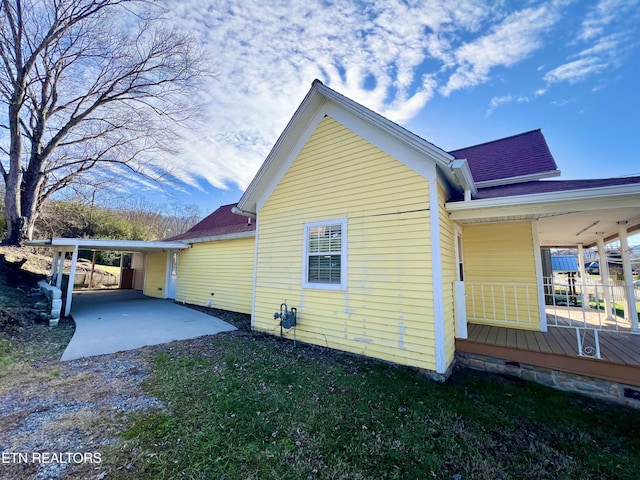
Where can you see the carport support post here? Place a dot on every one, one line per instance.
(72, 276)
(604, 275)
(631, 310)
(55, 268)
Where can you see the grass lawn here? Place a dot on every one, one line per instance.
(248, 406)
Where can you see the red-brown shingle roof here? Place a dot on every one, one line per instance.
(220, 223)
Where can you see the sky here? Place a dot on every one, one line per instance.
(455, 72)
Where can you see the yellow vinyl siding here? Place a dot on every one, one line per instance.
(223, 268)
(156, 274)
(387, 309)
(500, 275)
(448, 254)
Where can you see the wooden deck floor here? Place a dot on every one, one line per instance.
(558, 349)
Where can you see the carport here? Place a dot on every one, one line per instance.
(62, 246)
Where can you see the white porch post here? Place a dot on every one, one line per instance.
(581, 261)
(583, 273)
(72, 276)
(539, 275)
(631, 311)
(604, 276)
(461, 310)
(56, 269)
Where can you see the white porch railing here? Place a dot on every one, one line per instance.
(508, 304)
(582, 304)
(578, 305)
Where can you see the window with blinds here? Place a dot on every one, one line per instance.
(325, 247)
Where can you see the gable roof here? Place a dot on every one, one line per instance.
(221, 224)
(400, 143)
(518, 158)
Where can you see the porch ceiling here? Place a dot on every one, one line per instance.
(564, 219)
(571, 229)
(582, 227)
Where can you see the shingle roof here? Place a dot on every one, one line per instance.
(220, 223)
(548, 186)
(519, 155)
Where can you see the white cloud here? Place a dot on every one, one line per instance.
(513, 40)
(604, 13)
(392, 56)
(575, 71)
(496, 102)
(604, 50)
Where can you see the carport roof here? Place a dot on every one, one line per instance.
(104, 244)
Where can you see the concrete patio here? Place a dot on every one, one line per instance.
(118, 320)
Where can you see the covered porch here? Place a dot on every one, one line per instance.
(577, 324)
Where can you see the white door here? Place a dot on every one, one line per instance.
(172, 274)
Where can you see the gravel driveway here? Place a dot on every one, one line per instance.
(74, 410)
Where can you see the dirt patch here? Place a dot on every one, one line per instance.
(75, 407)
(53, 414)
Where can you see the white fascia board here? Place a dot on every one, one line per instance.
(419, 160)
(544, 203)
(286, 143)
(403, 135)
(229, 236)
(320, 101)
(519, 179)
(119, 245)
(462, 172)
(271, 179)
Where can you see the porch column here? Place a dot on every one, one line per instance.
(72, 277)
(631, 311)
(581, 261)
(56, 268)
(604, 276)
(583, 273)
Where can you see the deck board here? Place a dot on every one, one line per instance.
(557, 348)
(624, 350)
(543, 344)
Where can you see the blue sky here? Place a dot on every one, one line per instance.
(456, 72)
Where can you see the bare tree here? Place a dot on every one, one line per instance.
(93, 89)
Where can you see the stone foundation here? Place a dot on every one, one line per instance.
(593, 387)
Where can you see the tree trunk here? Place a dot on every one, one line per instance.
(13, 178)
(15, 221)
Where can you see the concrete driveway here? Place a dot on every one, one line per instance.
(113, 321)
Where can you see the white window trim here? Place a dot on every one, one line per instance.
(343, 260)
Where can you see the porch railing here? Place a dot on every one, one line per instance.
(508, 304)
(581, 303)
(574, 304)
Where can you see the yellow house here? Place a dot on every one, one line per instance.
(216, 271)
(389, 247)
